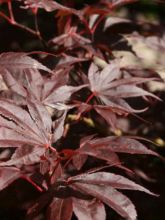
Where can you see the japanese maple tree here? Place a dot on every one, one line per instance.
(91, 82)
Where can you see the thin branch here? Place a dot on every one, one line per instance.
(5, 17)
(37, 27)
(26, 29)
(11, 12)
(10, 21)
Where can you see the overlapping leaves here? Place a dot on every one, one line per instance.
(108, 86)
(31, 126)
(100, 185)
(29, 82)
(20, 127)
(103, 186)
(106, 149)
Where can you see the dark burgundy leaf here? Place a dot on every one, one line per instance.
(86, 139)
(70, 39)
(61, 95)
(11, 138)
(34, 82)
(120, 144)
(20, 61)
(126, 91)
(60, 209)
(101, 153)
(36, 206)
(30, 79)
(116, 181)
(89, 210)
(130, 81)
(13, 84)
(42, 119)
(41, 110)
(80, 159)
(51, 92)
(49, 163)
(69, 60)
(57, 80)
(111, 90)
(108, 115)
(18, 125)
(50, 5)
(110, 196)
(26, 155)
(100, 80)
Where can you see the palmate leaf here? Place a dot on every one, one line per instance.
(20, 61)
(101, 80)
(103, 185)
(19, 126)
(108, 86)
(89, 210)
(111, 197)
(50, 91)
(37, 86)
(70, 39)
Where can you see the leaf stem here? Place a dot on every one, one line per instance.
(97, 23)
(13, 22)
(11, 12)
(33, 183)
(90, 97)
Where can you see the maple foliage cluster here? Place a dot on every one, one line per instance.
(90, 83)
